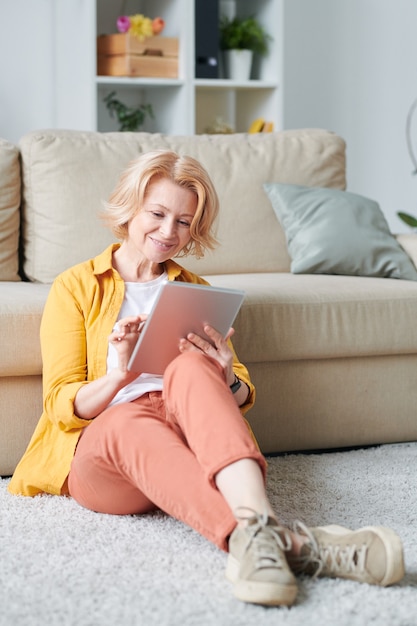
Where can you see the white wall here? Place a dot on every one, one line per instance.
(351, 67)
(40, 43)
(26, 67)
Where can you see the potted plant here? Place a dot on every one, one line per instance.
(129, 119)
(240, 38)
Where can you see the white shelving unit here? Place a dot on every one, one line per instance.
(181, 106)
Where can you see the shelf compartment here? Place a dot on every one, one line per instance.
(236, 107)
(167, 101)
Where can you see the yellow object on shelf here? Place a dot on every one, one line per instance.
(257, 125)
(261, 126)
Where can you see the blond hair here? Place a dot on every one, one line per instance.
(129, 194)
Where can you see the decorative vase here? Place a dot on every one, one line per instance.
(238, 64)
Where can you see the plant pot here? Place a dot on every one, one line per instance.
(238, 64)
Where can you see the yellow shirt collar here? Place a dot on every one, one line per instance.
(104, 263)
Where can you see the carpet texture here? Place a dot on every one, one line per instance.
(61, 565)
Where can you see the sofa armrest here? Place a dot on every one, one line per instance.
(409, 243)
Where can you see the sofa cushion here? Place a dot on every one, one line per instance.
(314, 316)
(21, 307)
(68, 174)
(9, 211)
(330, 231)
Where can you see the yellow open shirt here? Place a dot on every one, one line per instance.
(80, 312)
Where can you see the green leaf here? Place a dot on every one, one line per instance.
(410, 220)
(243, 34)
(129, 119)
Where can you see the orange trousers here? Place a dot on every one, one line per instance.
(164, 449)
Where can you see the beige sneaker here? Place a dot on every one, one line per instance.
(257, 565)
(371, 555)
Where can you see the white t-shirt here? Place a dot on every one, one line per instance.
(139, 298)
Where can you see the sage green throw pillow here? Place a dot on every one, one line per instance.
(330, 231)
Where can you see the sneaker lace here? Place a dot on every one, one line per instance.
(265, 538)
(330, 559)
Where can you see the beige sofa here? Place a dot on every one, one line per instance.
(334, 358)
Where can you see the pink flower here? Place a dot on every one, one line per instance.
(123, 24)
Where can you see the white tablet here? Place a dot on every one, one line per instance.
(181, 308)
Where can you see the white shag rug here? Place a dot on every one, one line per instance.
(61, 565)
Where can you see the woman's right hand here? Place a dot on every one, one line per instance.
(125, 337)
(93, 398)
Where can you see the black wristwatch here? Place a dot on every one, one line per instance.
(236, 385)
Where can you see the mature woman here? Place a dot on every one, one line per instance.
(126, 442)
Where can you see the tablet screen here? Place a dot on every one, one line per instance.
(179, 309)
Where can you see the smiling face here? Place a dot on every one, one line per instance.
(164, 205)
(161, 227)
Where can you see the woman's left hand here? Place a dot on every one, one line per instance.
(217, 349)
